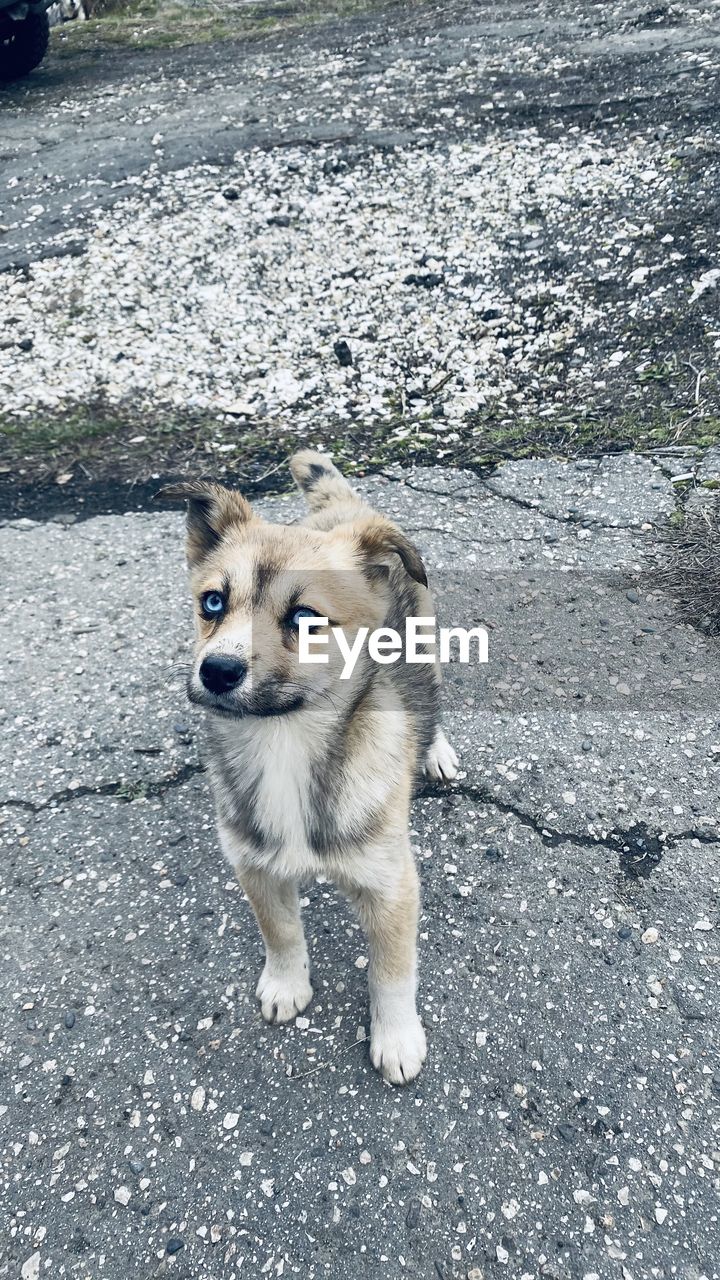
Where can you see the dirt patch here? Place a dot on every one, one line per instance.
(100, 460)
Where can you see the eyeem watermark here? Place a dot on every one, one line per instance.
(420, 643)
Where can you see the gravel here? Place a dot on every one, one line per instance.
(394, 228)
(185, 299)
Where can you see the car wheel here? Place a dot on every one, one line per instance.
(23, 45)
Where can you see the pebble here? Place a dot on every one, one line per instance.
(412, 1218)
(633, 596)
(69, 1020)
(30, 1269)
(174, 1245)
(649, 937)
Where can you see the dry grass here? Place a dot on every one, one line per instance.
(686, 565)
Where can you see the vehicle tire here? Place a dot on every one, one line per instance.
(24, 46)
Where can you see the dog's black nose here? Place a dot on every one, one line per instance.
(219, 672)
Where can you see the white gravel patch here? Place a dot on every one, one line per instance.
(187, 298)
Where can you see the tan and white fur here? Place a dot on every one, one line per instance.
(313, 775)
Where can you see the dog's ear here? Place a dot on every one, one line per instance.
(212, 510)
(379, 541)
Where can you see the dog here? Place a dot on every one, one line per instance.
(312, 774)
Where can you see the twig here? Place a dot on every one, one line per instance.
(431, 391)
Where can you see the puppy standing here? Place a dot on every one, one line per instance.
(312, 774)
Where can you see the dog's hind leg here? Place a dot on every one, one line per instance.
(284, 987)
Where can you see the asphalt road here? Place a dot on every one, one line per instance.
(567, 1123)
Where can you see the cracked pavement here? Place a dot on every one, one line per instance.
(567, 1123)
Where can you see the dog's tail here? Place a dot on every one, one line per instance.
(320, 481)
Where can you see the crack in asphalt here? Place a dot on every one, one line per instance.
(615, 841)
(126, 790)
(454, 536)
(573, 521)
(526, 504)
(638, 848)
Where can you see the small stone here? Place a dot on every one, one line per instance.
(230, 1120)
(587, 745)
(25, 344)
(69, 1020)
(624, 932)
(649, 937)
(31, 1267)
(122, 1195)
(583, 1197)
(343, 353)
(197, 1100)
(567, 1131)
(424, 280)
(174, 1245)
(492, 853)
(136, 1166)
(412, 1218)
(231, 193)
(633, 596)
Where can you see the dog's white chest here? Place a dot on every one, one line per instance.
(281, 796)
(262, 787)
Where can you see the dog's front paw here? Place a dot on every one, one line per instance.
(284, 991)
(441, 762)
(398, 1051)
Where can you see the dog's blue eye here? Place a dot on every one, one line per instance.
(212, 604)
(301, 612)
